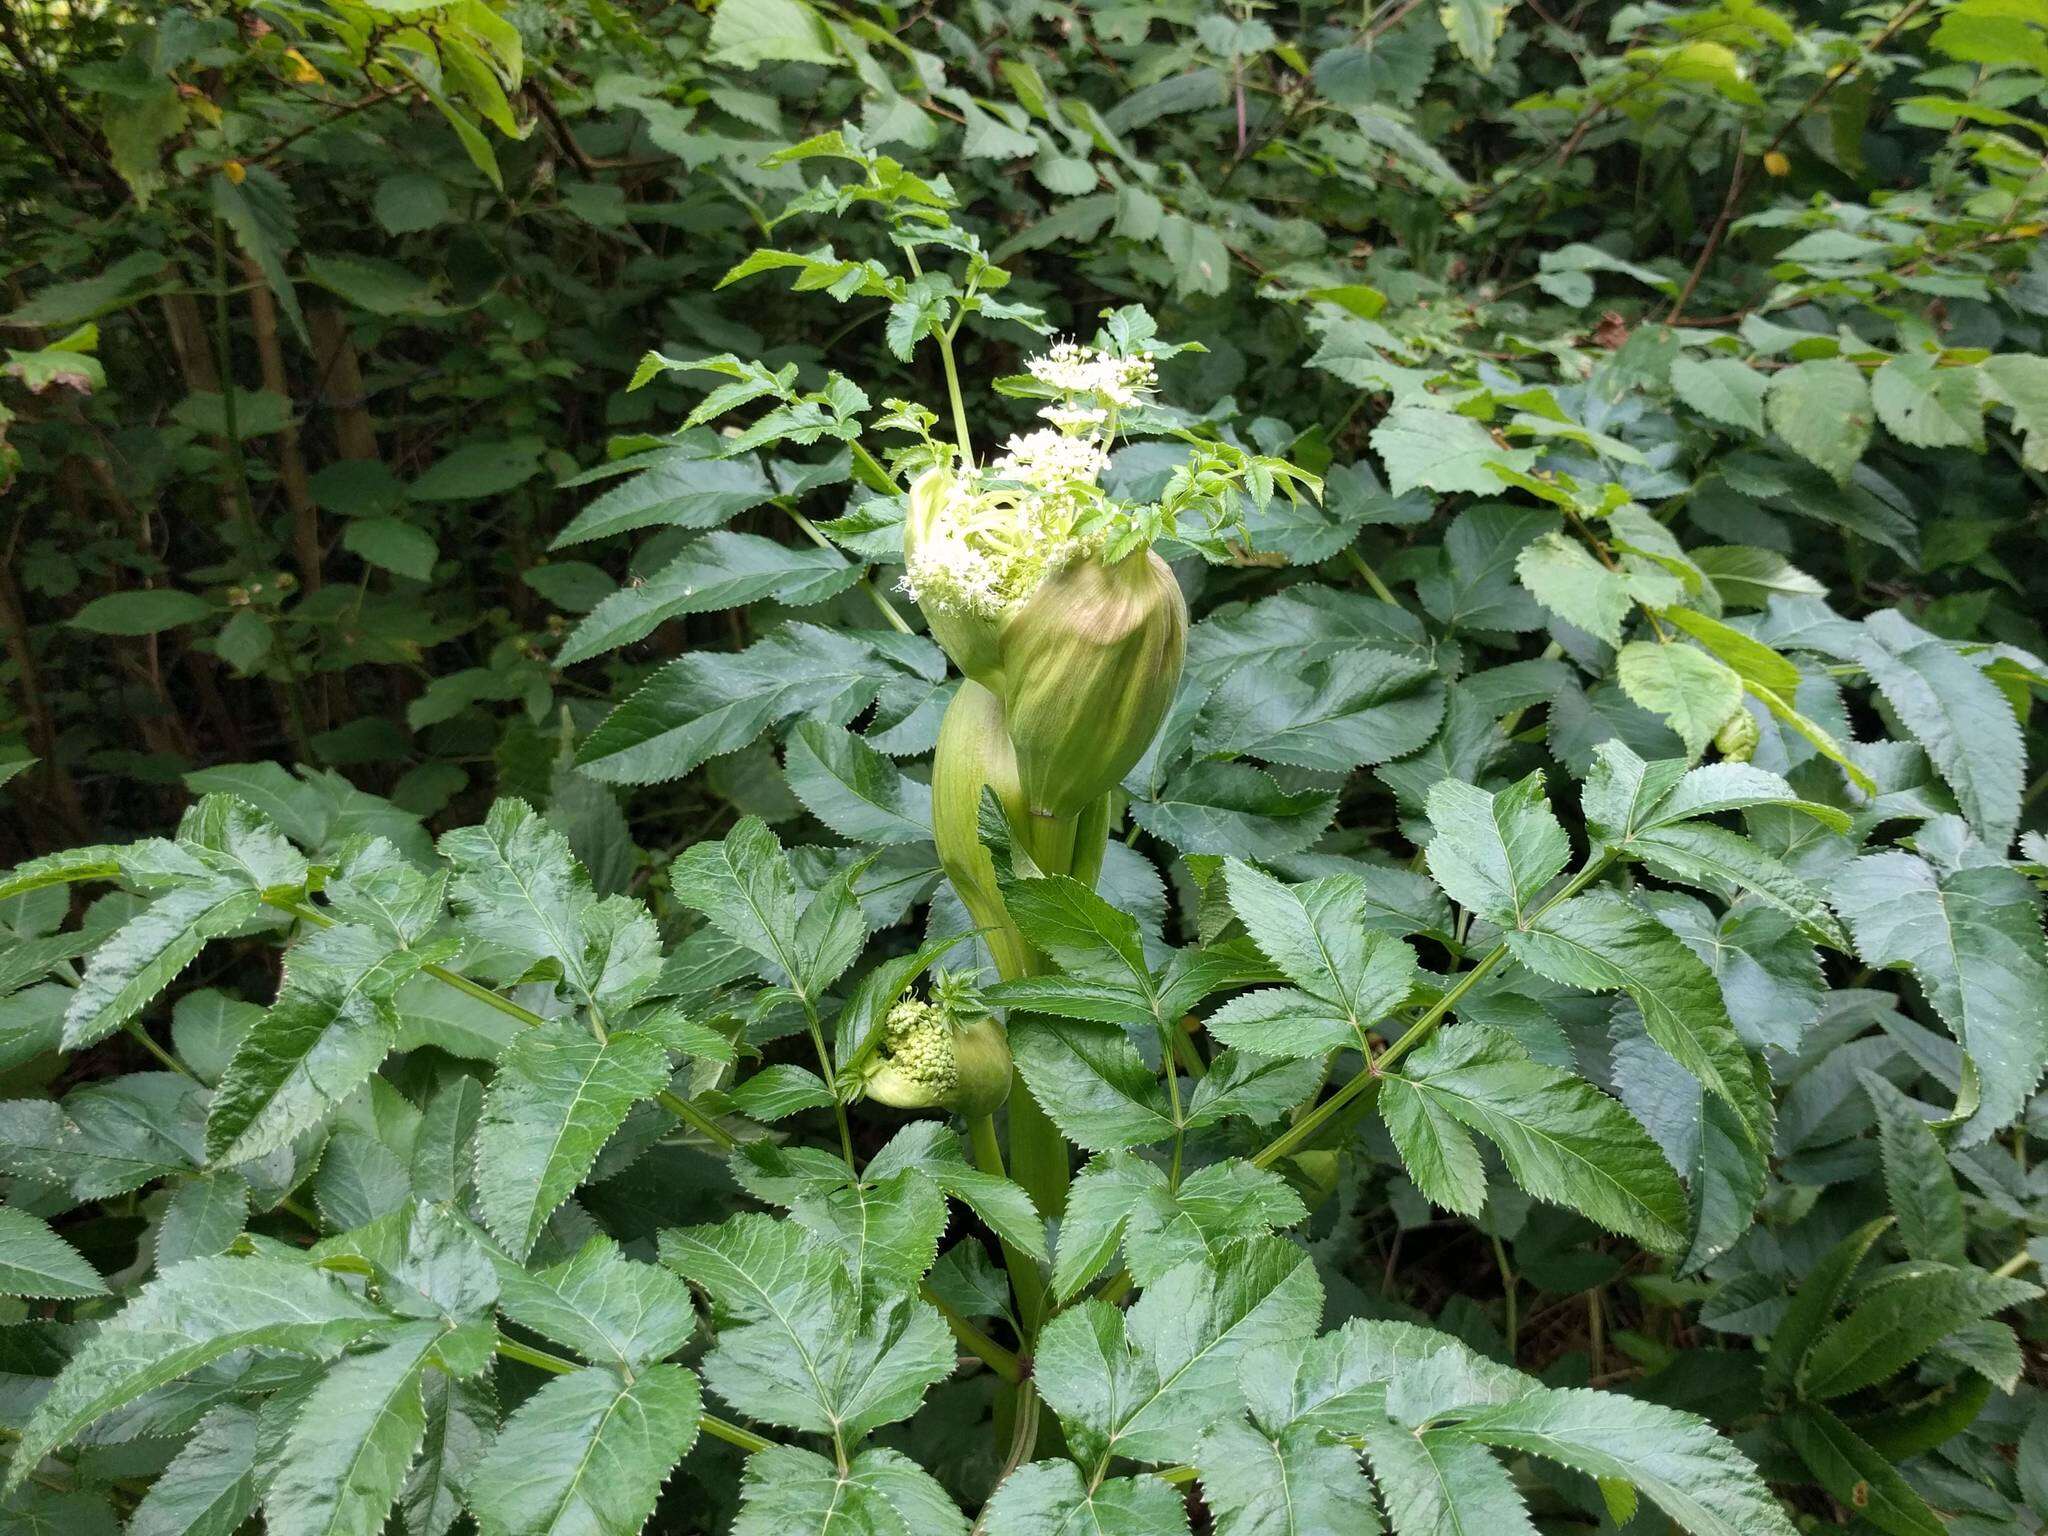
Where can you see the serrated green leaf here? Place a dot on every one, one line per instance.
(709, 703)
(1689, 1471)
(880, 1492)
(1091, 1080)
(1856, 1475)
(1051, 1498)
(127, 972)
(1970, 932)
(1145, 1383)
(719, 570)
(197, 1313)
(1564, 577)
(556, 1100)
(1495, 853)
(853, 789)
(1234, 808)
(1120, 1198)
(1602, 943)
(1928, 406)
(1434, 1484)
(1955, 712)
(517, 885)
(1918, 1183)
(1899, 1318)
(34, 1261)
(210, 1488)
(1294, 1484)
(332, 1025)
(610, 1309)
(795, 1346)
(1562, 1139)
(1350, 977)
(342, 1467)
(587, 1454)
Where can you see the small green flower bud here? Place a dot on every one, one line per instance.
(1737, 739)
(1089, 666)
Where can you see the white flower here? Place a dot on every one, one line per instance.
(1074, 369)
(1051, 461)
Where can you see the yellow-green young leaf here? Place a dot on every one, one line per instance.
(1822, 408)
(2021, 384)
(1564, 577)
(1818, 735)
(1692, 691)
(748, 33)
(1753, 661)
(1475, 27)
(586, 1453)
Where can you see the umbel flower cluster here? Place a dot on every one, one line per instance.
(943, 1053)
(1081, 652)
(986, 539)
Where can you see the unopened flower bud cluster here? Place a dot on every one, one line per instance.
(1007, 527)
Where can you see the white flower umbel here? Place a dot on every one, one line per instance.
(1078, 370)
(988, 538)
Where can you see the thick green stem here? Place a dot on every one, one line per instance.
(1025, 1279)
(1002, 1361)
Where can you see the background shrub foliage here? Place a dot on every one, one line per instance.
(1627, 752)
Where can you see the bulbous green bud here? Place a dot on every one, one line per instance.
(981, 1054)
(1090, 664)
(1737, 739)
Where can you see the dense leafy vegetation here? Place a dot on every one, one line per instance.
(1027, 768)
